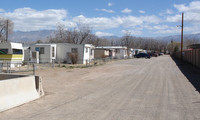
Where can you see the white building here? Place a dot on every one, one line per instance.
(119, 52)
(40, 53)
(85, 52)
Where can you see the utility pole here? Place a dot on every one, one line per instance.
(182, 37)
(6, 30)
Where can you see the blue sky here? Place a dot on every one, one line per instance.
(145, 18)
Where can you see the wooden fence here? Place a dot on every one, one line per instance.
(191, 56)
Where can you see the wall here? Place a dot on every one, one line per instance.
(64, 48)
(98, 53)
(47, 56)
(191, 56)
(16, 90)
(122, 54)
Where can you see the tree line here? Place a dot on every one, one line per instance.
(82, 34)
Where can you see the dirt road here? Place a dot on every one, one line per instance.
(137, 89)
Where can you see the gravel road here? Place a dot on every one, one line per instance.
(136, 89)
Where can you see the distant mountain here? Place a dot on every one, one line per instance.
(178, 37)
(110, 37)
(31, 36)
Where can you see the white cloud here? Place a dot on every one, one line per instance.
(110, 4)
(97, 22)
(160, 27)
(100, 23)
(142, 11)
(151, 19)
(175, 18)
(132, 32)
(108, 11)
(2, 10)
(169, 30)
(192, 7)
(126, 10)
(105, 10)
(27, 19)
(130, 21)
(191, 13)
(101, 34)
(168, 11)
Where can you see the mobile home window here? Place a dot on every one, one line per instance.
(17, 51)
(53, 52)
(117, 50)
(74, 50)
(91, 51)
(42, 50)
(86, 50)
(3, 51)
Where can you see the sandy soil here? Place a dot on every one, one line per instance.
(136, 89)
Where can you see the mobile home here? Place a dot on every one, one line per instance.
(118, 52)
(101, 53)
(11, 52)
(42, 53)
(84, 52)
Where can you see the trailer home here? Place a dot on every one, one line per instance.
(11, 52)
(42, 53)
(118, 52)
(84, 53)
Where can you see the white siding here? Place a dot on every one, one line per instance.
(64, 48)
(47, 56)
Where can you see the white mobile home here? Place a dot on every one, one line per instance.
(11, 52)
(119, 52)
(47, 52)
(84, 52)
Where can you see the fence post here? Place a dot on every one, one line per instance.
(95, 62)
(7, 68)
(53, 63)
(19, 66)
(1, 67)
(33, 69)
(86, 63)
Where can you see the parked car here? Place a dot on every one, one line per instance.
(161, 54)
(142, 55)
(154, 54)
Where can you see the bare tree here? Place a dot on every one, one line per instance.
(78, 35)
(84, 32)
(127, 39)
(190, 41)
(6, 27)
(60, 33)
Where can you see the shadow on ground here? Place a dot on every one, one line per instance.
(191, 72)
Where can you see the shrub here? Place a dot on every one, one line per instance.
(73, 57)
